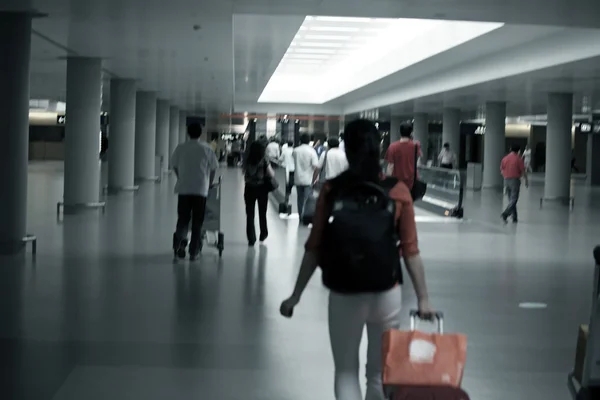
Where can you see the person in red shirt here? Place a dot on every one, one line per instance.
(400, 157)
(513, 169)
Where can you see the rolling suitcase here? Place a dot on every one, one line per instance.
(430, 393)
(423, 366)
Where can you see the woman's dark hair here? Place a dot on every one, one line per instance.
(333, 143)
(305, 138)
(256, 153)
(362, 144)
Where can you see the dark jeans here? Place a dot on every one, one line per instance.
(513, 188)
(289, 186)
(302, 192)
(252, 195)
(446, 166)
(190, 208)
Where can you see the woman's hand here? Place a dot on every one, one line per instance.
(425, 310)
(287, 306)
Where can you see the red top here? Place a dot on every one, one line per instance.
(405, 215)
(402, 155)
(512, 166)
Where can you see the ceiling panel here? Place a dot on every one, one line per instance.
(185, 48)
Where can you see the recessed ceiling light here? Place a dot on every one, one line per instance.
(379, 47)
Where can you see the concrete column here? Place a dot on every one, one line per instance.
(593, 160)
(145, 136)
(558, 146)
(82, 132)
(421, 134)
(395, 123)
(493, 144)
(311, 126)
(174, 131)
(182, 126)
(451, 130)
(326, 127)
(121, 157)
(15, 47)
(162, 132)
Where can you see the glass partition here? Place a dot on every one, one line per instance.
(444, 190)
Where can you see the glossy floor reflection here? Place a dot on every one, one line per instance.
(104, 313)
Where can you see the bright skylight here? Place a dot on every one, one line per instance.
(332, 56)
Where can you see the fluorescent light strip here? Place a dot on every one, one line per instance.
(307, 56)
(332, 29)
(317, 44)
(327, 37)
(345, 19)
(315, 51)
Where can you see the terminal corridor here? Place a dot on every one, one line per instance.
(103, 312)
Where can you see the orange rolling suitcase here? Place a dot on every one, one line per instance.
(419, 365)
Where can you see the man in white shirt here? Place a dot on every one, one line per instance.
(273, 153)
(195, 165)
(332, 162)
(287, 161)
(447, 158)
(305, 163)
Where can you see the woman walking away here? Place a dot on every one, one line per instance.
(256, 171)
(356, 245)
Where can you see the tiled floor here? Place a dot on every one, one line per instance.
(104, 313)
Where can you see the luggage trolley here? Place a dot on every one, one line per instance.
(584, 383)
(212, 218)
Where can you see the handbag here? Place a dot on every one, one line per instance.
(270, 183)
(419, 187)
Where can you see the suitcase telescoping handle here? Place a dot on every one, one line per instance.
(439, 317)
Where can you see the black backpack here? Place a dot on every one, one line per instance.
(360, 248)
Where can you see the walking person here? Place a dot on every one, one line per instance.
(357, 249)
(305, 163)
(195, 165)
(400, 156)
(513, 169)
(527, 158)
(447, 158)
(287, 161)
(333, 161)
(256, 171)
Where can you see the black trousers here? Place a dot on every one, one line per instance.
(446, 166)
(256, 194)
(190, 208)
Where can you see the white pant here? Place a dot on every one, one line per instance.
(348, 315)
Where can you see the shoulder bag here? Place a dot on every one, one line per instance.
(419, 187)
(270, 183)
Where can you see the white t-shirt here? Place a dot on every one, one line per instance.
(447, 157)
(336, 162)
(194, 161)
(305, 162)
(287, 159)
